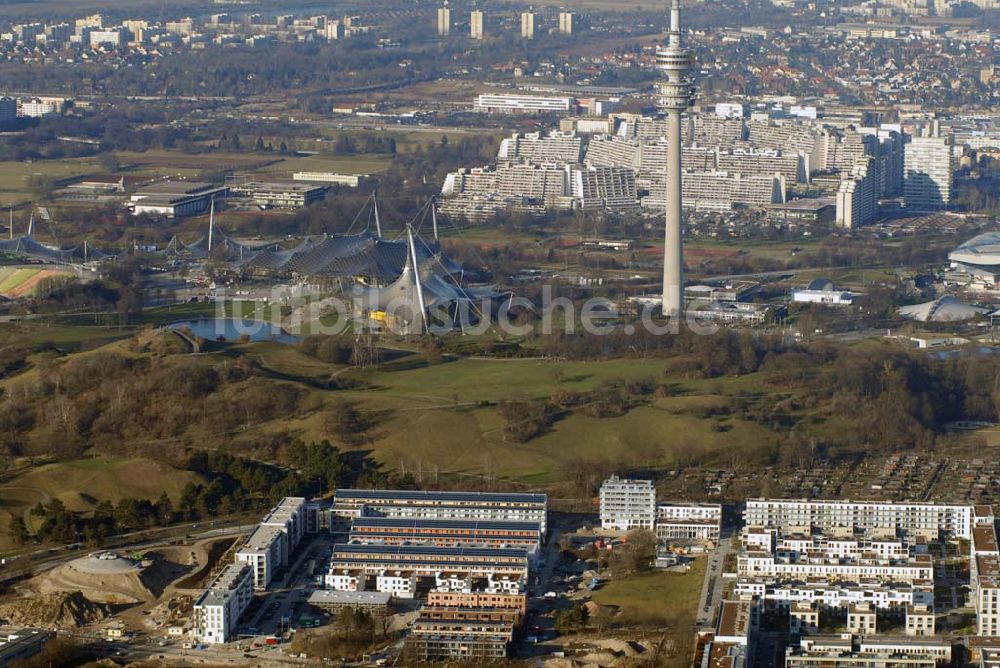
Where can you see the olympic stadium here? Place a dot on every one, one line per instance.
(393, 283)
(977, 260)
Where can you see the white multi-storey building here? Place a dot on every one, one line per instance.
(566, 23)
(558, 147)
(115, 37)
(836, 594)
(628, 504)
(218, 610)
(730, 109)
(605, 151)
(263, 552)
(529, 22)
(37, 107)
(603, 187)
(930, 173)
(721, 191)
(796, 545)
(530, 104)
(92, 21)
(499, 506)
(849, 651)
(476, 21)
(761, 565)
(289, 517)
(985, 579)
(335, 30)
(906, 518)
(269, 547)
(688, 521)
(829, 297)
(398, 584)
(345, 580)
(857, 198)
(444, 20)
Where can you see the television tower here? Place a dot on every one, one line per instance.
(676, 92)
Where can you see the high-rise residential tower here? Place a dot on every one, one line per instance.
(676, 92)
(529, 20)
(566, 23)
(444, 20)
(929, 172)
(476, 21)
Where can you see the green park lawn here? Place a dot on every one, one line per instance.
(656, 595)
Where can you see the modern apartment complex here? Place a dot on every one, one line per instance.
(219, 608)
(867, 567)
(701, 522)
(446, 533)
(722, 191)
(857, 197)
(262, 552)
(469, 553)
(268, 548)
(627, 504)
(427, 562)
(486, 506)
(557, 147)
(433, 640)
(984, 577)
(906, 518)
(854, 651)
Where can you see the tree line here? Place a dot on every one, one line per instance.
(230, 485)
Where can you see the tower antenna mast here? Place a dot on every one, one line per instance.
(676, 91)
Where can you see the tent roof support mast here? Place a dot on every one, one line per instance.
(211, 225)
(434, 217)
(378, 222)
(416, 278)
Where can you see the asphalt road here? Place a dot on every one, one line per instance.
(714, 586)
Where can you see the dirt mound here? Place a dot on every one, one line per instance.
(115, 587)
(58, 609)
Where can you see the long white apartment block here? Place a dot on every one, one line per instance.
(219, 608)
(793, 166)
(709, 130)
(806, 545)
(607, 187)
(268, 548)
(909, 518)
(290, 517)
(522, 104)
(605, 151)
(761, 565)
(835, 594)
(496, 506)
(852, 651)
(627, 504)
(689, 521)
(722, 191)
(559, 147)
